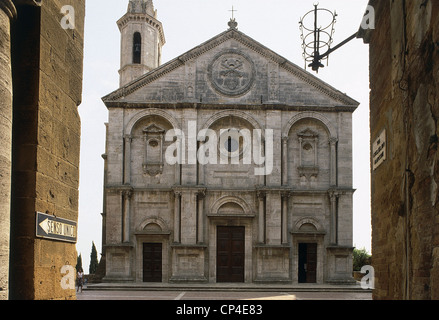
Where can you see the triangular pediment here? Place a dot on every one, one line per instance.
(231, 68)
(153, 128)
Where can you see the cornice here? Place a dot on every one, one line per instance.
(210, 106)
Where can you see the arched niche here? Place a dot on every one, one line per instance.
(231, 205)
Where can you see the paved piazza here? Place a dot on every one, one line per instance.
(215, 295)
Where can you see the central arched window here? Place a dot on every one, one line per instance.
(137, 48)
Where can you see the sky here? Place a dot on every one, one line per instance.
(188, 23)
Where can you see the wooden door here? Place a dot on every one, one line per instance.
(311, 258)
(152, 262)
(307, 262)
(230, 254)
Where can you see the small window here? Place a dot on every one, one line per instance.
(153, 143)
(231, 145)
(137, 48)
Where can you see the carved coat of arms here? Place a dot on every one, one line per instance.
(231, 73)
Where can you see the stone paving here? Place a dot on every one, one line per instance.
(141, 291)
(222, 295)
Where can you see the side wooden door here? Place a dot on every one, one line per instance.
(152, 262)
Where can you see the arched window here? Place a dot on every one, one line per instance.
(137, 48)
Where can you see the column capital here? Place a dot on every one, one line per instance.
(128, 193)
(261, 194)
(177, 191)
(333, 141)
(285, 194)
(201, 193)
(333, 194)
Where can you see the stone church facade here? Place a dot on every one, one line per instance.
(279, 211)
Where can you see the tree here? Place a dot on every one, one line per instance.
(79, 262)
(361, 258)
(93, 259)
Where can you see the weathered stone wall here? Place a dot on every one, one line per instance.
(47, 73)
(404, 77)
(7, 11)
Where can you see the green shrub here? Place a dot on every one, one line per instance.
(361, 258)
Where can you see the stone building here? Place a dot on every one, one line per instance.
(404, 108)
(40, 90)
(228, 163)
(7, 12)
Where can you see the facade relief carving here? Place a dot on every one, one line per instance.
(308, 155)
(153, 163)
(232, 73)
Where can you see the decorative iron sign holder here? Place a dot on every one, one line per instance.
(316, 39)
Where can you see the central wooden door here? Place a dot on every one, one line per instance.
(230, 254)
(152, 262)
(307, 262)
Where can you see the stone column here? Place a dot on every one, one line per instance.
(333, 222)
(188, 216)
(7, 12)
(200, 168)
(316, 154)
(200, 212)
(285, 161)
(261, 217)
(285, 196)
(333, 168)
(127, 159)
(127, 194)
(177, 216)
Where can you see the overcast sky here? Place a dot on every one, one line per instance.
(188, 23)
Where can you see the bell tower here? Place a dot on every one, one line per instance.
(142, 39)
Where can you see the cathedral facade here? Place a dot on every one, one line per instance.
(228, 163)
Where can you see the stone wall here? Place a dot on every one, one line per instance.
(7, 11)
(404, 77)
(47, 87)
